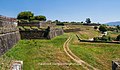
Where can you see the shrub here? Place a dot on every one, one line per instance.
(95, 27)
(103, 38)
(62, 24)
(23, 21)
(40, 18)
(103, 28)
(106, 38)
(26, 15)
(34, 21)
(118, 38)
(96, 38)
(29, 16)
(111, 29)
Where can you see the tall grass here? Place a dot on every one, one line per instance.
(34, 52)
(96, 54)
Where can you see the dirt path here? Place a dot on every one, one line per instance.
(75, 58)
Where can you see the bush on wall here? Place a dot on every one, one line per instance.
(103, 38)
(118, 38)
(28, 16)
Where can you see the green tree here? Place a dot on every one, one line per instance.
(88, 20)
(40, 18)
(103, 38)
(118, 27)
(103, 28)
(59, 23)
(118, 38)
(26, 15)
(106, 38)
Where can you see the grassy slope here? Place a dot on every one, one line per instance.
(34, 52)
(97, 54)
(113, 34)
(88, 32)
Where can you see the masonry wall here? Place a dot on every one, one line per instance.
(41, 34)
(37, 24)
(55, 32)
(32, 34)
(9, 34)
(8, 40)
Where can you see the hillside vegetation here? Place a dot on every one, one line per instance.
(99, 55)
(35, 52)
(85, 33)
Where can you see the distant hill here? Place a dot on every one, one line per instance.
(113, 23)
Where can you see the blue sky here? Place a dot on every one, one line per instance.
(65, 10)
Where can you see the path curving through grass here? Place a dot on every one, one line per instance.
(75, 58)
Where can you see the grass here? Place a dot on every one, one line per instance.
(34, 52)
(113, 34)
(88, 32)
(99, 55)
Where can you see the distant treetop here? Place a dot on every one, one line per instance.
(40, 17)
(88, 20)
(29, 16)
(25, 15)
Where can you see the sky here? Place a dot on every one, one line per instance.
(101, 11)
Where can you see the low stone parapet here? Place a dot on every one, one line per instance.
(31, 24)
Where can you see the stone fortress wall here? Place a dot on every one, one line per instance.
(41, 34)
(41, 31)
(9, 34)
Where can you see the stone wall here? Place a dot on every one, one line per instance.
(55, 32)
(32, 34)
(9, 19)
(41, 34)
(9, 34)
(7, 26)
(31, 24)
(39, 24)
(8, 40)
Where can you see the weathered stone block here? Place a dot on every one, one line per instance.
(8, 40)
(116, 65)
